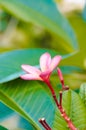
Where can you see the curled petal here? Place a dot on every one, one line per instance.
(54, 62)
(45, 61)
(31, 69)
(30, 77)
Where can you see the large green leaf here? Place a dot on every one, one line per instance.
(69, 69)
(83, 92)
(24, 125)
(10, 62)
(5, 112)
(2, 128)
(43, 12)
(26, 98)
(33, 101)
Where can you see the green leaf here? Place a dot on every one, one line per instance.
(74, 108)
(10, 65)
(32, 100)
(5, 112)
(24, 125)
(70, 69)
(83, 92)
(44, 13)
(29, 99)
(2, 128)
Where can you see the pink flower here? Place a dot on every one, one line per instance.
(47, 65)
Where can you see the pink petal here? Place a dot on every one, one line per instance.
(45, 74)
(45, 60)
(31, 69)
(30, 77)
(54, 62)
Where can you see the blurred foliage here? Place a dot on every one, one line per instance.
(84, 13)
(2, 128)
(3, 21)
(38, 12)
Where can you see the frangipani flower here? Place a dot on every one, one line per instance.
(47, 65)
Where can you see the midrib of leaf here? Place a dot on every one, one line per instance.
(11, 104)
(83, 92)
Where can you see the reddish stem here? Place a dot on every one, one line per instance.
(47, 125)
(44, 124)
(59, 105)
(67, 119)
(52, 91)
(60, 98)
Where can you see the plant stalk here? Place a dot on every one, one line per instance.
(44, 124)
(59, 105)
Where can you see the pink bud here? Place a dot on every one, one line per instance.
(60, 77)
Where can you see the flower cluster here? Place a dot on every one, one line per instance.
(47, 65)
